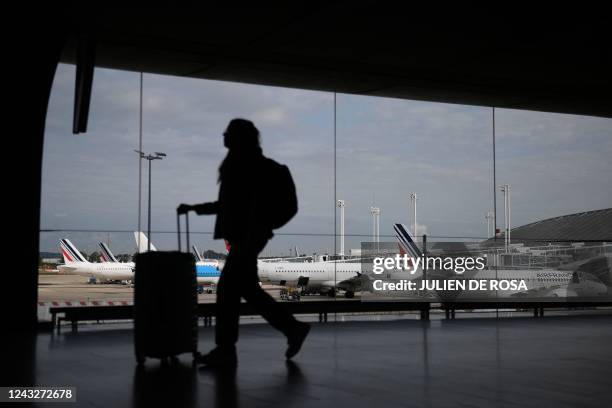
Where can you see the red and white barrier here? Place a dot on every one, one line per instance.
(79, 303)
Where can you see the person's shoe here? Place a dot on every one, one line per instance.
(296, 339)
(219, 358)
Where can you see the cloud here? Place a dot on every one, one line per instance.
(270, 116)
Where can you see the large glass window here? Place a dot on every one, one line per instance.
(555, 164)
(379, 156)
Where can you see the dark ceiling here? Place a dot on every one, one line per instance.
(498, 60)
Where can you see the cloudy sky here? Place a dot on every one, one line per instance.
(556, 164)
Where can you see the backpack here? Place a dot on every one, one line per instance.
(280, 199)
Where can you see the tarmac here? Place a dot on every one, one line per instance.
(74, 288)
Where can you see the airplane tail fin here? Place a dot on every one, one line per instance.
(106, 253)
(405, 242)
(70, 253)
(142, 242)
(197, 254)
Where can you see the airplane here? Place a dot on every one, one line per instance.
(108, 256)
(142, 242)
(106, 253)
(325, 277)
(203, 261)
(561, 282)
(75, 263)
(351, 277)
(208, 271)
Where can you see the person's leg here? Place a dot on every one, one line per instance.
(228, 303)
(226, 328)
(275, 313)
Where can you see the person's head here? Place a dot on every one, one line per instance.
(241, 135)
(242, 140)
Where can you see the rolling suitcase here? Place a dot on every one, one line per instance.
(165, 303)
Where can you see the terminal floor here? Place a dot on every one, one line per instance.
(516, 362)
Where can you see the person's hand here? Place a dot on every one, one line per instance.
(184, 208)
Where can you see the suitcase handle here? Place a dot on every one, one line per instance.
(178, 229)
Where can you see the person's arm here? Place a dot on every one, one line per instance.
(200, 209)
(206, 208)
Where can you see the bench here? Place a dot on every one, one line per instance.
(323, 308)
(207, 311)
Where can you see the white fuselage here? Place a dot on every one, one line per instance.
(543, 283)
(101, 271)
(320, 274)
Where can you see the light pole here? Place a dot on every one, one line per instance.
(150, 157)
(505, 188)
(341, 205)
(375, 225)
(509, 222)
(413, 199)
(139, 165)
(489, 217)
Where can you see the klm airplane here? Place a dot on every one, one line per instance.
(207, 271)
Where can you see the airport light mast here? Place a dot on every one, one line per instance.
(341, 205)
(413, 200)
(150, 157)
(375, 225)
(489, 217)
(505, 188)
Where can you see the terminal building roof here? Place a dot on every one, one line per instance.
(580, 227)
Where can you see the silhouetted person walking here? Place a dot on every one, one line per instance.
(247, 210)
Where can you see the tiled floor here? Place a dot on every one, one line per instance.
(553, 361)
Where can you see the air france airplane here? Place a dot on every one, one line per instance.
(324, 277)
(75, 263)
(329, 276)
(108, 256)
(539, 282)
